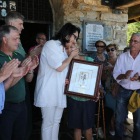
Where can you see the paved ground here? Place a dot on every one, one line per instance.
(67, 134)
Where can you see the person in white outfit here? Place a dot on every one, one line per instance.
(49, 91)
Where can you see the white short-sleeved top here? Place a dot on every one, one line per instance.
(50, 83)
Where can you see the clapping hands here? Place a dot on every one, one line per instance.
(135, 77)
(31, 63)
(20, 72)
(36, 51)
(9, 67)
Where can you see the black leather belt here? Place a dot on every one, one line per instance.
(13, 103)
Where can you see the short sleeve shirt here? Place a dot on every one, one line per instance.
(16, 93)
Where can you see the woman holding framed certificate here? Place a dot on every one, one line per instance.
(49, 92)
(81, 111)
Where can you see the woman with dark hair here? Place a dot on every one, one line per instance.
(81, 111)
(100, 56)
(49, 92)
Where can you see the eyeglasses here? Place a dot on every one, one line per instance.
(112, 49)
(42, 39)
(75, 37)
(135, 41)
(99, 46)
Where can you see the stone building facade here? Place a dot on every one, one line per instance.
(75, 11)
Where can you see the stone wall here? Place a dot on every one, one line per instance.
(75, 11)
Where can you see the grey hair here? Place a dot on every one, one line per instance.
(5, 31)
(38, 35)
(136, 34)
(13, 16)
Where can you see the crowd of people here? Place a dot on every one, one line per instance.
(46, 65)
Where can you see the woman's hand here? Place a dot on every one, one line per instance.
(109, 67)
(74, 53)
(98, 96)
(66, 81)
(101, 91)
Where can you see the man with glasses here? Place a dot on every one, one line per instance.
(36, 50)
(41, 39)
(126, 72)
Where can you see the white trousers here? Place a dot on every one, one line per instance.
(50, 124)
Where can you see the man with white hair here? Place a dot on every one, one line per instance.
(127, 72)
(16, 19)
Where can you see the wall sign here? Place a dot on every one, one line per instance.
(3, 9)
(12, 5)
(92, 32)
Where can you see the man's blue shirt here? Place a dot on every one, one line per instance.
(2, 97)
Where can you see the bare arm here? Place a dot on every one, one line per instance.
(32, 65)
(105, 75)
(106, 71)
(7, 83)
(66, 62)
(17, 74)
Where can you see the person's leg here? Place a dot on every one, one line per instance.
(75, 113)
(20, 123)
(123, 97)
(112, 123)
(136, 119)
(126, 120)
(7, 118)
(47, 122)
(29, 114)
(108, 115)
(77, 134)
(88, 134)
(57, 119)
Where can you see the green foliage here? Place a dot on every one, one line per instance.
(132, 28)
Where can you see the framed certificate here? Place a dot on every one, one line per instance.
(84, 79)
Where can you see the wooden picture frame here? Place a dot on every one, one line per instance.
(84, 79)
